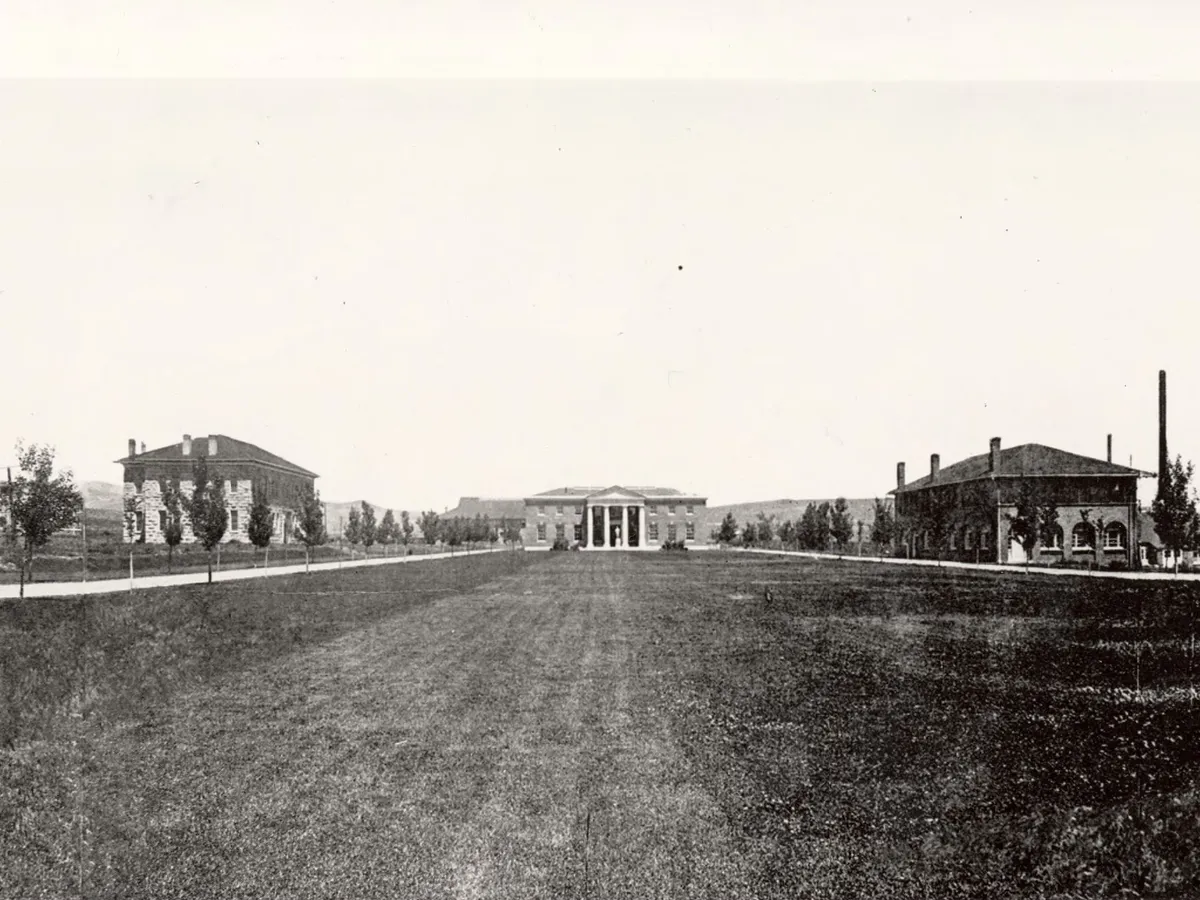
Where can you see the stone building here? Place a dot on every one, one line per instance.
(239, 466)
(975, 500)
(613, 518)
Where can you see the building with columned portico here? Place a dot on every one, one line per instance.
(612, 518)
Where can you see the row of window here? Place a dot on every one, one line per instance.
(651, 510)
(560, 531)
(1082, 537)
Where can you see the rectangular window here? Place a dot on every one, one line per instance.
(968, 539)
(671, 510)
(541, 510)
(691, 509)
(653, 530)
(162, 520)
(579, 533)
(690, 531)
(558, 510)
(1112, 539)
(560, 532)
(953, 541)
(233, 523)
(653, 510)
(232, 484)
(579, 510)
(672, 531)
(141, 525)
(542, 532)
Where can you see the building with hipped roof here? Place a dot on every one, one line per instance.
(239, 465)
(612, 518)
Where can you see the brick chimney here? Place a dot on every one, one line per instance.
(187, 445)
(935, 466)
(212, 445)
(1110, 448)
(899, 475)
(993, 453)
(1163, 461)
(143, 446)
(132, 447)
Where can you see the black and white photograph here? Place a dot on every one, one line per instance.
(595, 452)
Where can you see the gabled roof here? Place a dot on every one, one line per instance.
(228, 450)
(489, 507)
(1024, 460)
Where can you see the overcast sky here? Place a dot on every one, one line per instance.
(753, 289)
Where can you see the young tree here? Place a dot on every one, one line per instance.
(310, 522)
(1174, 509)
(173, 533)
(766, 530)
(405, 533)
(787, 533)
(841, 528)
(808, 529)
(512, 531)
(729, 529)
(883, 529)
(935, 518)
(353, 532)
(129, 511)
(749, 534)
(429, 527)
(822, 525)
(261, 526)
(40, 502)
(206, 509)
(368, 531)
(1035, 518)
(387, 532)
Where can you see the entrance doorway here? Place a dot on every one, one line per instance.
(635, 532)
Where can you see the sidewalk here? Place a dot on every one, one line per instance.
(980, 567)
(112, 585)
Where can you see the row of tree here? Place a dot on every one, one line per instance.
(821, 527)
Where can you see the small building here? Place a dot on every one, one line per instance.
(976, 499)
(239, 465)
(612, 518)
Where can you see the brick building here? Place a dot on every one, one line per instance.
(498, 511)
(614, 518)
(1096, 500)
(237, 464)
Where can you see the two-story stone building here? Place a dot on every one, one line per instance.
(613, 518)
(1096, 501)
(237, 464)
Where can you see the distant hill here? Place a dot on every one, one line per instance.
(101, 495)
(782, 510)
(336, 514)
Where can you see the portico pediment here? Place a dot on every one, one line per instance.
(616, 494)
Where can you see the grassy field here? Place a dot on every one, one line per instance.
(603, 725)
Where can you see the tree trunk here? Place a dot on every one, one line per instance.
(306, 559)
(170, 557)
(210, 567)
(22, 594)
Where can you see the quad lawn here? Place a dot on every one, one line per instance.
(566, 725)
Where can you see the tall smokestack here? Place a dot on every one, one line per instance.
(935, 466)
(899, 475)
(993, 453)
(132, 447)
(1163, 463)
(212, 446)
(187, 445)
(1110, 448)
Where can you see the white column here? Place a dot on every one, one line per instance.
(624, 526)
(587, 526)
(604, 543)
(642, 527)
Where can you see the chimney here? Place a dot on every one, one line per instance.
(1110, 448)
(132, 447)
(1163, 462)
(187, 445)
(899, 475)
(935, 465)
(143, 446)
(993, 452)
(212, 445)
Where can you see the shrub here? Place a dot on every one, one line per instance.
(674, 546)
(560, 544)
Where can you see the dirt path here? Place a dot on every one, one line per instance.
(507, 742)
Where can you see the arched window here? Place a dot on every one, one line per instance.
(1056, 540)
(1114, 536)
(1081, 536)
